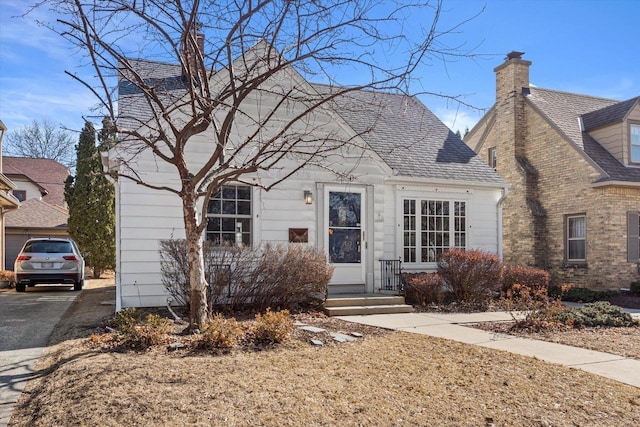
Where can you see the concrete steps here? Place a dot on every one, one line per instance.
(352, 305)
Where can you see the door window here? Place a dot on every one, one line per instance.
(345, 227)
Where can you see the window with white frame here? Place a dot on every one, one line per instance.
(229, 215)
(432, 227)
(634, 138)
(576, 235)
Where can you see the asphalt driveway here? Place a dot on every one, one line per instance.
(26, 322)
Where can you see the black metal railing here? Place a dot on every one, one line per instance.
(391, 275)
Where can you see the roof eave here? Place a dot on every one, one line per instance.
(445, 182)
(614, 183)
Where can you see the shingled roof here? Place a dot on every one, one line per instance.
(567, 110)
(35, 213)
(410, 138)
(399, 128)
(611, 114)
(46, 173)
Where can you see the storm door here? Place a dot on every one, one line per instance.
(346, 235)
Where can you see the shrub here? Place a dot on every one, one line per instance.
(600, 313)
(472, 276)
(272, 327)
(525, 298)
(585, 295)
(635, 288)
(272, 276)
(221, 333)
(7, 275)
(289, 277)
(532, 278)
(423, 288)
(136, 330)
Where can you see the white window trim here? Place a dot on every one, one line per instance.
(631, 144)
(419, 198)
(568, 238)
(250, 216)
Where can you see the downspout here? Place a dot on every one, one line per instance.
(116, 185)
(505, 192)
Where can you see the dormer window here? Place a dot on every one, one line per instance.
(634, 137)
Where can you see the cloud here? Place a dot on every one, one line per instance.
(458, 119)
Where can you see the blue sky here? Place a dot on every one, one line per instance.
(583, 46)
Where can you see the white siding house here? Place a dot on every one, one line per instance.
(407, 188)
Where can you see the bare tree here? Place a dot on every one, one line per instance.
(245, 67)
(42, 140)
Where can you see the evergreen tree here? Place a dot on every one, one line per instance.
(91, 200)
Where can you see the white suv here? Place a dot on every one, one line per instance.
(49, 260)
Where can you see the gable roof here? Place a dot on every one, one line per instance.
(35, 213)
(410, 138)
(567, 110)
(401, 130)
(46, 173)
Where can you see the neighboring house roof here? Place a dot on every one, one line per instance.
(46, 173)
(612, 114)
(34, 213)
(566, 111)
(399, 128)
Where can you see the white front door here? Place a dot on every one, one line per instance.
(345, 234)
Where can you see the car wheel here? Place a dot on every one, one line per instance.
(20, 287)
(78, 285)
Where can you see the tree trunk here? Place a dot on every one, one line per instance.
(198, 301)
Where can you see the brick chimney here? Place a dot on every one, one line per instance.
(512, 85)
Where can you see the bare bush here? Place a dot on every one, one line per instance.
(423, 288)
(472, 276)
(276, 276)
(530, 277)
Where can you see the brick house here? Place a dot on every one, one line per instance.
(573, 164)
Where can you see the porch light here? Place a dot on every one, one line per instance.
(308, 197)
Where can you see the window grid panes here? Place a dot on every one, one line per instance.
(441, 225)
(228, 212)
(409, 231)
(576, 238)
(635, 143)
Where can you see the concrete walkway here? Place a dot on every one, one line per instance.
(452, 326)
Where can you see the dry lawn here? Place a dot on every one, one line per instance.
(384, 379)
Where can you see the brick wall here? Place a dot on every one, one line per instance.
(549, 180)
